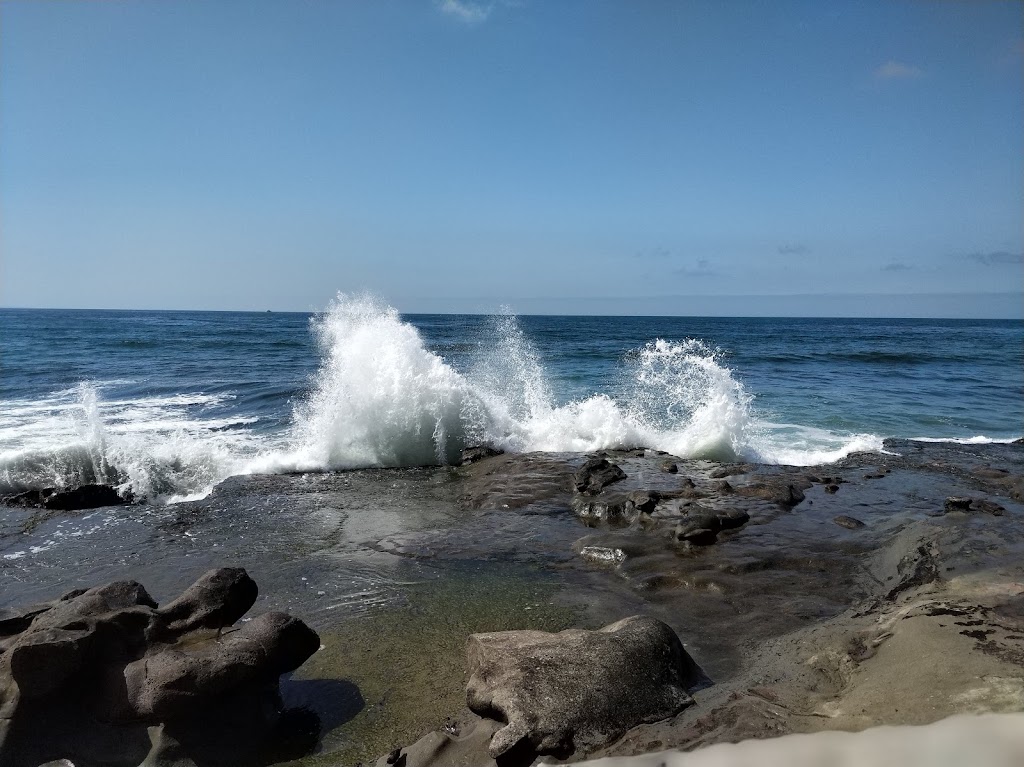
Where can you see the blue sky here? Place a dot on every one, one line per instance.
(672, 157)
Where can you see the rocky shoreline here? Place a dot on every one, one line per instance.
(883, 589)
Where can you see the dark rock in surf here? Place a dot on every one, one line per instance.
(670, 467)
(702, 528)
(478, 453)
(850, 523)
(90, 672)
(75, 499)
(577, 690)
(615, 507)
(785, 494)
(963, 504)
(596, 474)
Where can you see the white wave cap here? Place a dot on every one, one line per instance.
(381, 398)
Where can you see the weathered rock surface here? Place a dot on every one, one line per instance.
(850, 523)
(596, 474)
(616, 507)
(702, 527)
(960, 503)
(108, 658)
(577, 689)
(478, 453)
(785, 494)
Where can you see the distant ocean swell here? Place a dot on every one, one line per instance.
(382, 398)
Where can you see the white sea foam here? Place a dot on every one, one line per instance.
(382, 398)
(980, 439)
(155, 447)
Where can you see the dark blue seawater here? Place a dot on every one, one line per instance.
(168, 403)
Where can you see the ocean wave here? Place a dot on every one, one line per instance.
(382, 398)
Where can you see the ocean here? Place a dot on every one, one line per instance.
(167, 404)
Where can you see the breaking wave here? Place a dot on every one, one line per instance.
(381, 398)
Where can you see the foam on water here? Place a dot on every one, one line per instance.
(382, 398)
(155, 447)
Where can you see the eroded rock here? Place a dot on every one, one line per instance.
(577, 689)
(107, 659)
(596, 474)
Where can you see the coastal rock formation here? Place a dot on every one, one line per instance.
(702, 528)
(478, 453)
(623, 507)
(577, 689)
(596, 474)
(104, 659)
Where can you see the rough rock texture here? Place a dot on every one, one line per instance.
(478, 453)
(624, 507)
(577, 689)
(958, 503)
(702, 528)
(596, 474)
(101, 660)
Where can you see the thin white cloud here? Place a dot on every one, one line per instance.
(466, 10)
(897, 70)
(997, 258)
(897, 266)
(703, 269)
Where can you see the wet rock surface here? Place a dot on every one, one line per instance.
(73, 499)
(86, 676)
(798, 621)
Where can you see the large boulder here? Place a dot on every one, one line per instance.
(577, 689)
(97, 667)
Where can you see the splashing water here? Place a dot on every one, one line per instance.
(381, 398)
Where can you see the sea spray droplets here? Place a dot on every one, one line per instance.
(688, 401)
(380, 397)
(156, 447)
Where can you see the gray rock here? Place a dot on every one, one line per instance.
(850, 523)
(785, 494)
(95, 664)
(613, 508)
(701, 527)
(957, 503)
(596, 474)
(478, 453)
(577, 689)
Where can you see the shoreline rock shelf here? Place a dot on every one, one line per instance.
(882, 589)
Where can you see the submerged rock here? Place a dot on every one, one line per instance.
(785, 494)
(702, 527)
(576, 690)
(850, 523)
(959, 503)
